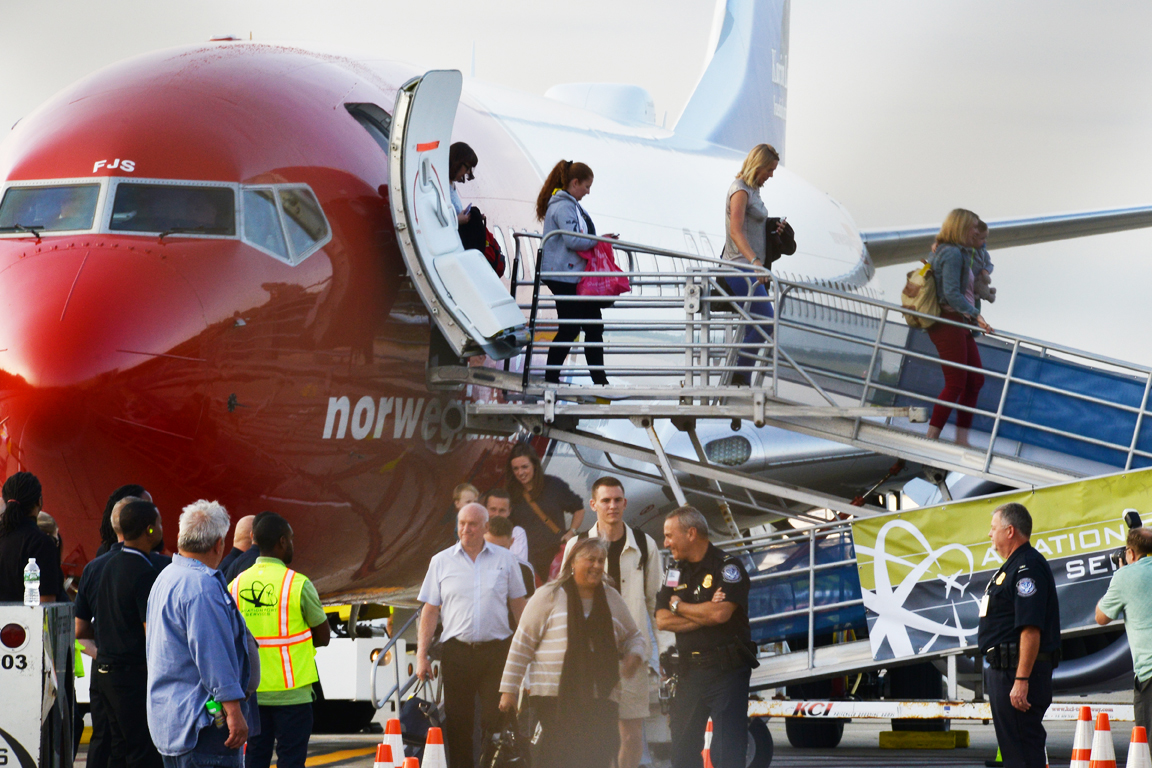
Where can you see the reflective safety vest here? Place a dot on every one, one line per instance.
(268, 596)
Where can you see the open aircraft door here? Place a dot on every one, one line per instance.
(467, 301)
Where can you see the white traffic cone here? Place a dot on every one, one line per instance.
(1082, 742)
(434, 756)
(394, 739)
(1103, 753)
(1138, 756)
(707, 753)
(383, 757)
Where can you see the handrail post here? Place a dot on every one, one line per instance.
(1000, 407)
(534, 313)
(778, 300)
(1139, 422)
(811, 598)
(871, 368)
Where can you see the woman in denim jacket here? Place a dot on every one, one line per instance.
(955, 285)
(558, 206)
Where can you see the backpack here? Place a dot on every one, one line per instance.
(919, 295)
(641, 544)
(475, 236)
(493, 253)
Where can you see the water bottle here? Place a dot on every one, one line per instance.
(217, 711)
(32, 583)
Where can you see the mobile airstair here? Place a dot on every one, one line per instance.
(834, 362)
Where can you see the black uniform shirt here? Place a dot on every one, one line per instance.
(246, 560)
(15, 549)
(1021, 593)
(90, 579)
(122, 606)
(696, 583)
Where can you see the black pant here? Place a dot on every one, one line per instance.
(470, 670)
(122, 693)
(704, 692)
(593, 332)
(1142, 703)
(289, 727)
(1021, 735)
(591, 740)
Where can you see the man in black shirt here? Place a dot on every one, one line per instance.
(246, 559)
(119, 686)
(21, 539)
(241, 542)
(704, 600)
(1019, 634)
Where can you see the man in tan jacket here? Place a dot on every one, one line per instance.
(636, 571)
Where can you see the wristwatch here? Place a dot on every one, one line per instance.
(674, 606)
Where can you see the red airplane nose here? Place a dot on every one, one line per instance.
(77, 310)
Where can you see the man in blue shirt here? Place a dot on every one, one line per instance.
(1128, 594)
(197, 650)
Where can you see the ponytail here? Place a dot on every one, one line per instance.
(22, 493)
(563, 173)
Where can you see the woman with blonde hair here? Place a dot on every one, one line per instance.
(746, 242)
(558, 206)
(580, 639)
(952, 264)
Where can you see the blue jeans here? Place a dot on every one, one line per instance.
(289, 727)
(209, 752)
(759, 306)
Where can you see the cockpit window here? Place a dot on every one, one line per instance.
(262, 224)
(174, 209)
(49, 209)
(303, 220)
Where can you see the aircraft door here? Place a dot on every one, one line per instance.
(465, 298)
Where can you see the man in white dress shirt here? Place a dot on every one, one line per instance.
(472, 586)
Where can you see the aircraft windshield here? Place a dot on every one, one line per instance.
(174, 209)
(49, 209)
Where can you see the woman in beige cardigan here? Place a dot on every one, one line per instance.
(580, 639)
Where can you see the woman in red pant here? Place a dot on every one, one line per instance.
(952, 264)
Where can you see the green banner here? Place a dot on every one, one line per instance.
(922, 571)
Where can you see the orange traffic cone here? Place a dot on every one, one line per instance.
(707, 753)
(434, 756)
(1103, 754)
(383, 756)
(411, 762)
(395, 740)
(1138, 756)
(1082, 742)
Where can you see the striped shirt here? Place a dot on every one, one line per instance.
(541, 640)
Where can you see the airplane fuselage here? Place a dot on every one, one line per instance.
(203, 361)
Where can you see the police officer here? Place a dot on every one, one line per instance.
(1020, 637)
(704, 600)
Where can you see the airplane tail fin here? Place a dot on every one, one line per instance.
(741, 99)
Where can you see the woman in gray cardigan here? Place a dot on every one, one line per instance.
(558, 206)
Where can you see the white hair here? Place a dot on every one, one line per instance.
(202, 524)
(479, 509)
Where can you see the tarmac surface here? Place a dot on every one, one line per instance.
(859, 747)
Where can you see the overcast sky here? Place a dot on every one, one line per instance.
(899, 110)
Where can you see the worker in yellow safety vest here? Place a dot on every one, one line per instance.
(283, 613)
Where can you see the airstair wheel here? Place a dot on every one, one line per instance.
(811, 733)
(760, 746)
